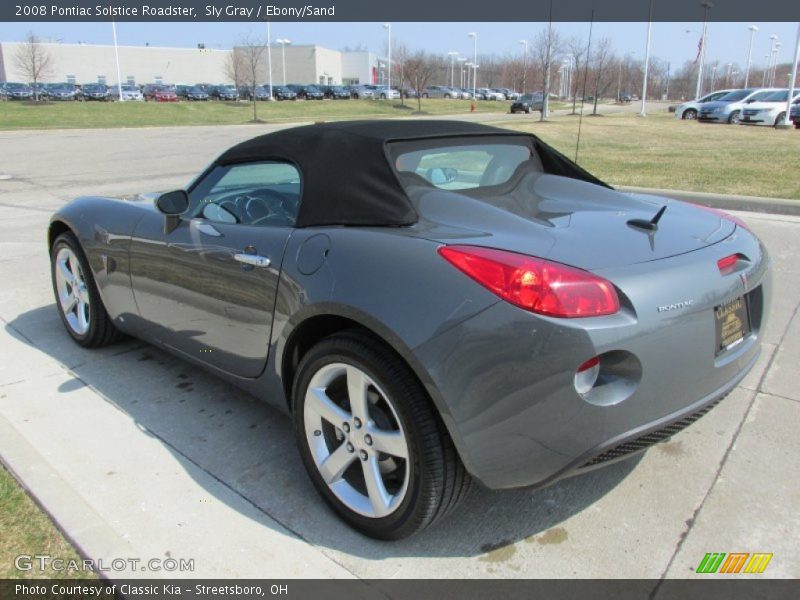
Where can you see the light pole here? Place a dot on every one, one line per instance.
(792, 81)
(713, 76)
(269, 61)
(283, 42)
(775, 52)
(116, 58)
(388, 28)
(524, 62)
(469, 75)
(461, 61)
(766, 68)
(452, 54)
(753, 29)
(773, 40)
(474, 37)
(643, 112)
(728, 75)
(706, 4)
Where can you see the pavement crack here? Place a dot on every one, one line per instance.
(693, 519)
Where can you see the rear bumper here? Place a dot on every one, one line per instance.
(504, 379)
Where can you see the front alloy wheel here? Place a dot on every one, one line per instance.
(734, 118)
(374, 447)
(72, 292)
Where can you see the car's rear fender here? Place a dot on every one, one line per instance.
(507, 375)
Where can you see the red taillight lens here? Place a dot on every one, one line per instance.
(535, 284)
(726, 216)
(726, 264)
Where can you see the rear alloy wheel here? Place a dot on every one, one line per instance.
(689, 114)
(374, 448)
(734, 118)
(78, 301)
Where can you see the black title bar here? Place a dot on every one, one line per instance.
(398, 10)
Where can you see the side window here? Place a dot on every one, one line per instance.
(258, 193)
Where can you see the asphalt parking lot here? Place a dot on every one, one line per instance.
(139, 454)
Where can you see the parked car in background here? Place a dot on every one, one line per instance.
(489, 94)
(441, 91)
(196, 94)
(165, 94)
(384, 92)
(19, 91)
(260, 92)
(227, 92)
(794, 115)
(64, 92)
(130, 93)
(689, 110)
(94, 92)
(528, 103)
(281, 92)
(508, 94)
(307, 92)
(359, 92)
(728, 108)
(768, 110)
(336, 92)
(39, 90)
(149, 90)
(3, 92)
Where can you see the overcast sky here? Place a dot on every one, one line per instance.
(727, 42)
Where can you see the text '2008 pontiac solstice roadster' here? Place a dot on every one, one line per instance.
(434, 302)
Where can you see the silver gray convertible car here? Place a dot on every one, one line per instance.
(434, 302)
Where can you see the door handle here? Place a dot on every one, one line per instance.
(254, 260)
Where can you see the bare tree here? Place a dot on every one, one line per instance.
(250, 53)
(420, 69)
(576, 48)
(546, 45)
(35, 61)
(399, 58)
(599, 63)
(234, 67)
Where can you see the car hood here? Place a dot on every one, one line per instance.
(570, 221)
(765, 105)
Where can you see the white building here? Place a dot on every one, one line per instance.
(85, 63)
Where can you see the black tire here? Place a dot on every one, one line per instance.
(779, 119)
(733, 119)
(101, 330)
(424, 95)
(438, 480)
(797, 125)
(690, 114)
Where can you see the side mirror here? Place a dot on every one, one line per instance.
(173, 203)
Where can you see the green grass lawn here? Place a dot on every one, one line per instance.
(25, 529)
(69, 115)
(662, 152)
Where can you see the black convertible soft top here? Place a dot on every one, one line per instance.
(347, 177)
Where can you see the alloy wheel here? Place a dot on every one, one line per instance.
(356, 440)
(73, 294)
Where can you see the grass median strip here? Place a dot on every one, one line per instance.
(26, 530)
(71, 115)
(662, 152)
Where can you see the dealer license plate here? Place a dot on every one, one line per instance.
(732, 323)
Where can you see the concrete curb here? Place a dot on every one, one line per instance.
(777, 206)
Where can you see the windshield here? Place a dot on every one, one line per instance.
(129, 88)
(735, 96)
(779, 96)
(462, 164)
(17, 86)
(94, 88)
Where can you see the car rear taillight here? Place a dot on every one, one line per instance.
(726, 264)
(535, 284)
(726, 216)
